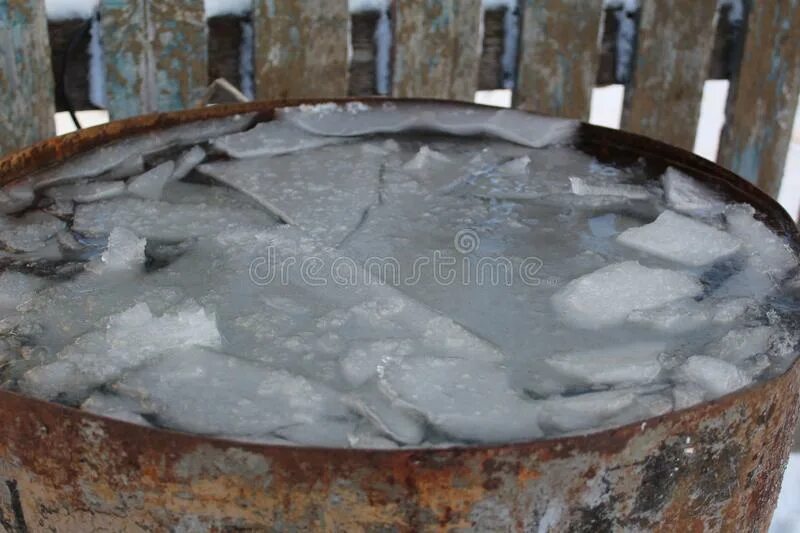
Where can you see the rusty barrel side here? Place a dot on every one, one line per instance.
(715, 466)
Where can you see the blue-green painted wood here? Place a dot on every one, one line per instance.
(763, 95)
(156, 55)
(26, 81)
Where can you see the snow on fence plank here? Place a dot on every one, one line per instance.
(437, 48)
(663, 97)
(26, 82)
(301, 48)
(155, 55)
(559, 56)
(763, 95)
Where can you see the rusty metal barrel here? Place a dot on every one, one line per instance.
(714, 467)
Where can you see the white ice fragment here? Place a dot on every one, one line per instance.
(207, 392)
(394, 421)
(739, 344)
(687, 195)
(579, 187)
(125, 252)
(516, 166)
(127, 342)
(349, 121)
(687, 395)
(681, 239)
(17, 288)
(584, 411)
(631, 363)
(29, 232)
(86, 192)
(362, 360)
(270, 139)
(715, 376)
(16, 197)
(150, 185)
(728, 310)
(187, 161)
(425, 159)
(160, 220)
(117, 407)
(326, 433)
(607, 296)
(467, 400)
(676, 317)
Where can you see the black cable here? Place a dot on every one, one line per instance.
(77, 37)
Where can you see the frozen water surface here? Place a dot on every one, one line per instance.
(382, 276)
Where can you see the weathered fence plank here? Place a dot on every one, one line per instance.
(301, 48)
(559, 54)
(670, 67)
(763, 95)
(437, 48)
(26, 81)
(155, 55)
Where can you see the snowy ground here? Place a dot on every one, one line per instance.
(606, 111)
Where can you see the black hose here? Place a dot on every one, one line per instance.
(77, 37)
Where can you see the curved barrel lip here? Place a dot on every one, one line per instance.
(596, 140)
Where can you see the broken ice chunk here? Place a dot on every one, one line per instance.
(632, 192)
(151, 184)
(16, 197)
(362, 360)
(86, 192)
(608, 296)
(681, 239)
(29, 232)
(687, 195)
(676, 317)
(269, 139)
(187, 161)
(117, 407)
(636, 362)
(127, 342)
(515, 166)
(715, 376)
(728, 310)
(739, 344)
(467, 400)
(208, 392)
(395, 421)
(425, 158)
(327, 433)
(125, 251)
(356, 119)
(687, 395)
(17, 288)
(584, 411)
(160, 220)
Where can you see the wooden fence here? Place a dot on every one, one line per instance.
(160, 54)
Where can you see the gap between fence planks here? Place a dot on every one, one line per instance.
(26, 80)
(301, 48)
(437, 48)
(763, 95)
(671, 61)
(155, 55)
(559, 56)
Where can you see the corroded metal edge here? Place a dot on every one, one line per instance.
(715, 466)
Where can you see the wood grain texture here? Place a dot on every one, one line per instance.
(155, 55)
(26, 81)
(559, 55)
(671, 63)
(437, 48)
(301, 48)
(763, 95)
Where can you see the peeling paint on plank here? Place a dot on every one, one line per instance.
(670, 66)
(301, 48)
(437, 48)
(26, 81)
(155, 53)
(559, 56)
(763, 95)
